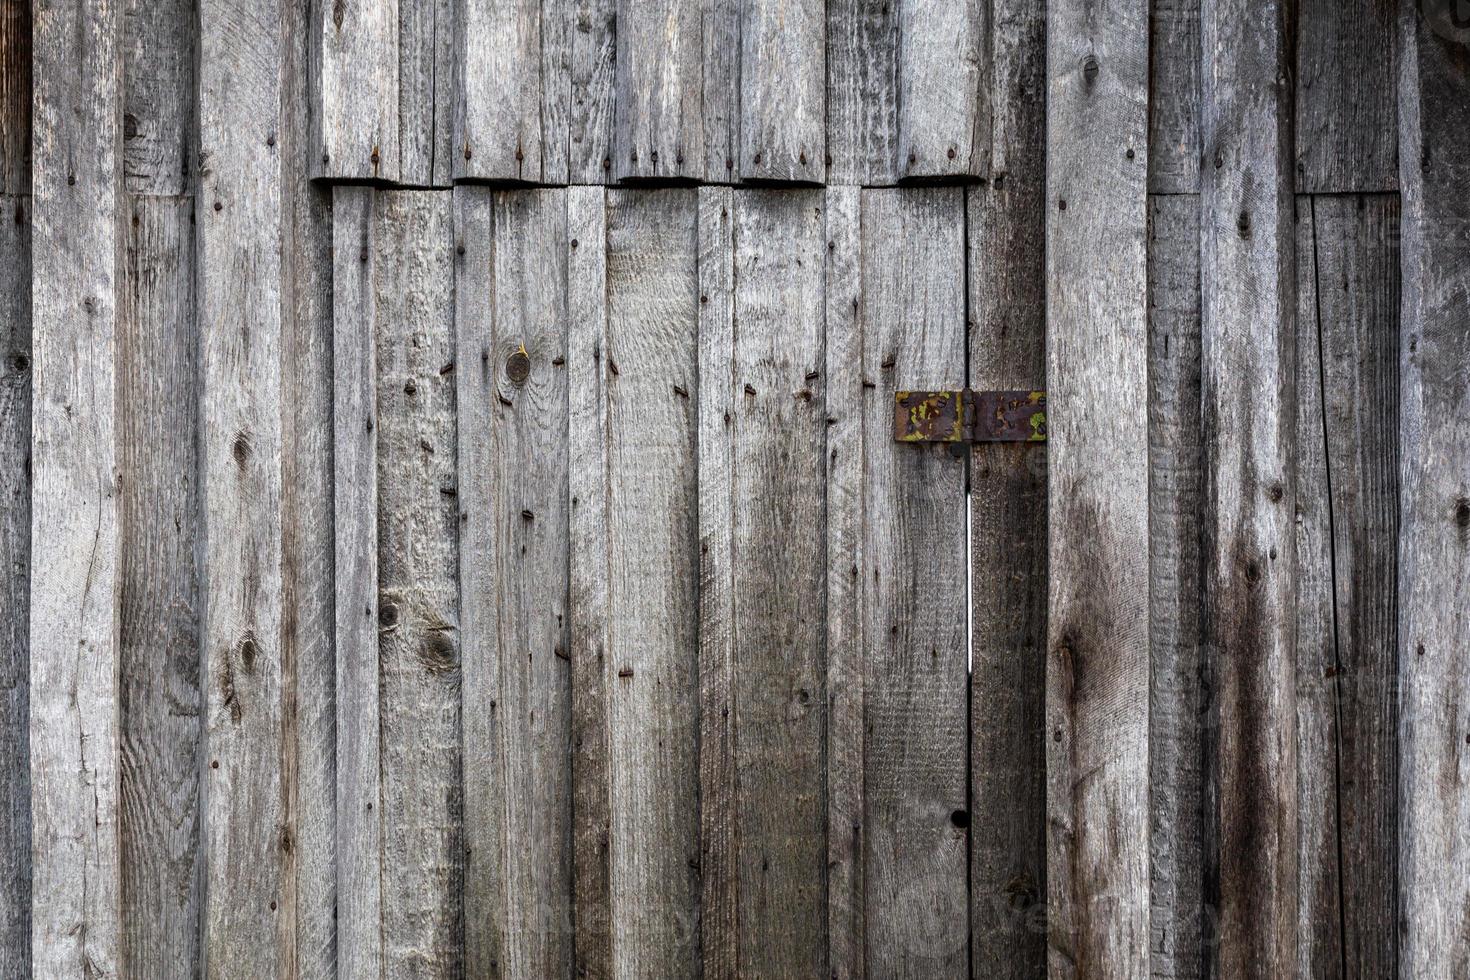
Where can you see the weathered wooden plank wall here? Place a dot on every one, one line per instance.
(519, 579)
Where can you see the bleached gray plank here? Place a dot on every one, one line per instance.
(1017, 83)
(512, 318)
(498, 110)
(15, 575)
(1434, 434)
(160, 607)
(1097, 714)
(1173, 97)
(355, 123)
(659, 126)
(723, 91)
(158, 105)
(783, 90)
(1346, 97)
(1248, 309)
(943, 88)
(15, 97)
(76, 265)
(426, 86)
(915, 842)
(241, 299)
(593, 48)
(862, 91)
(1179, 926)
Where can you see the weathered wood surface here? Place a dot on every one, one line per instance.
(862, 97)
(427, 32)
(1434, 591)
(159, 102)
(15, 97)
(943, 89)
(1346, 98)
(1248, 385)
(782, 90)
(76, 267)
(1173, 97)
(498, 132)
(1097, 713)
(659, 122)
(355, 121)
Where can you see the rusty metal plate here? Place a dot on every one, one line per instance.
(969, 416)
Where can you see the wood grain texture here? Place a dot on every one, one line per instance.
(355, 122)
(1434, 495)
(1097, 713)
(15, 576)
(158, 103)
(1008, 499)
(944, 95)
(498, 109)
(783, 90)
(1346, 97)
(1180, 923)
(159, 603)
(659, 122)
(15, 97)
(511, 310)
(1248, 384)
(762, 670)
(418, 585)
(1174, 97)
(74, 644)
(592, 52)
(862, 91)
(355, 417)
(722, 89)
(915, 732)
(426, 86)
(241, 300)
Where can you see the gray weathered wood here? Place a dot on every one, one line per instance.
(1178, 923)
(240, 300)
(159, 603)
(592, 49)
(359, 837)
(1248, 385)
(426, 80)
(511, 311)
(158, 105)
(862, 91)
(1434, 591)
(498, 109)
(722, 93)
(15, 97)
(1097, 714)
(1173, 98)
(355, 99)
(762, 426)
(783, 90)
(915, 754)
(76, 266)
(15, 575)
(1346, 96)
(944, 89)
(659, 123)
(1007, 350)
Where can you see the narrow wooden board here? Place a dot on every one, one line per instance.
(511, 315)
(426, 86)
(1174, 97)
(944, 94)
(15, 574)
(783, 90)
(1434, 496)
(1249, 383)
(76, 267)
(862, 91)
(1346, 97)
(246, 855)
(592, 53)
(160, 608)
(158, 104)
(659, 124)
(355, 122)
(15, 97)
(1179, 922)
(915, 752)
(498, 130)
(1097, 715)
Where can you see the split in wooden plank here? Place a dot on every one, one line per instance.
(1174, 94)
(1098, 659)
(76, 267)
(944, 95)
(426, 80)
(355, 126)
(1346, 96)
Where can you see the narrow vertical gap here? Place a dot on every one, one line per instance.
(968, 457)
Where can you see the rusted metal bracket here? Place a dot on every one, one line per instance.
(969, 416)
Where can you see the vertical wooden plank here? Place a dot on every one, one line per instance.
(511, 310)
(76, 264)
(1248, 383)
(1434, 489)
(158, 823)
(15, 575)
(158, 106)
(15, 97)
(240, 301)
(1179, 925)
(1346, 100)
(1097, 714)
(659, 126)
(1007, 350)
(862, 91)
(723, 89)
(593, 49)
(417, 598)
(783, 90)
(498, 110)
(355, 124)
(588, 570)
(915, 752)
(426, 87)
(359, 831)
(943, 88)
(1173, 97)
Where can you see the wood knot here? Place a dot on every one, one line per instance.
(518, 367)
